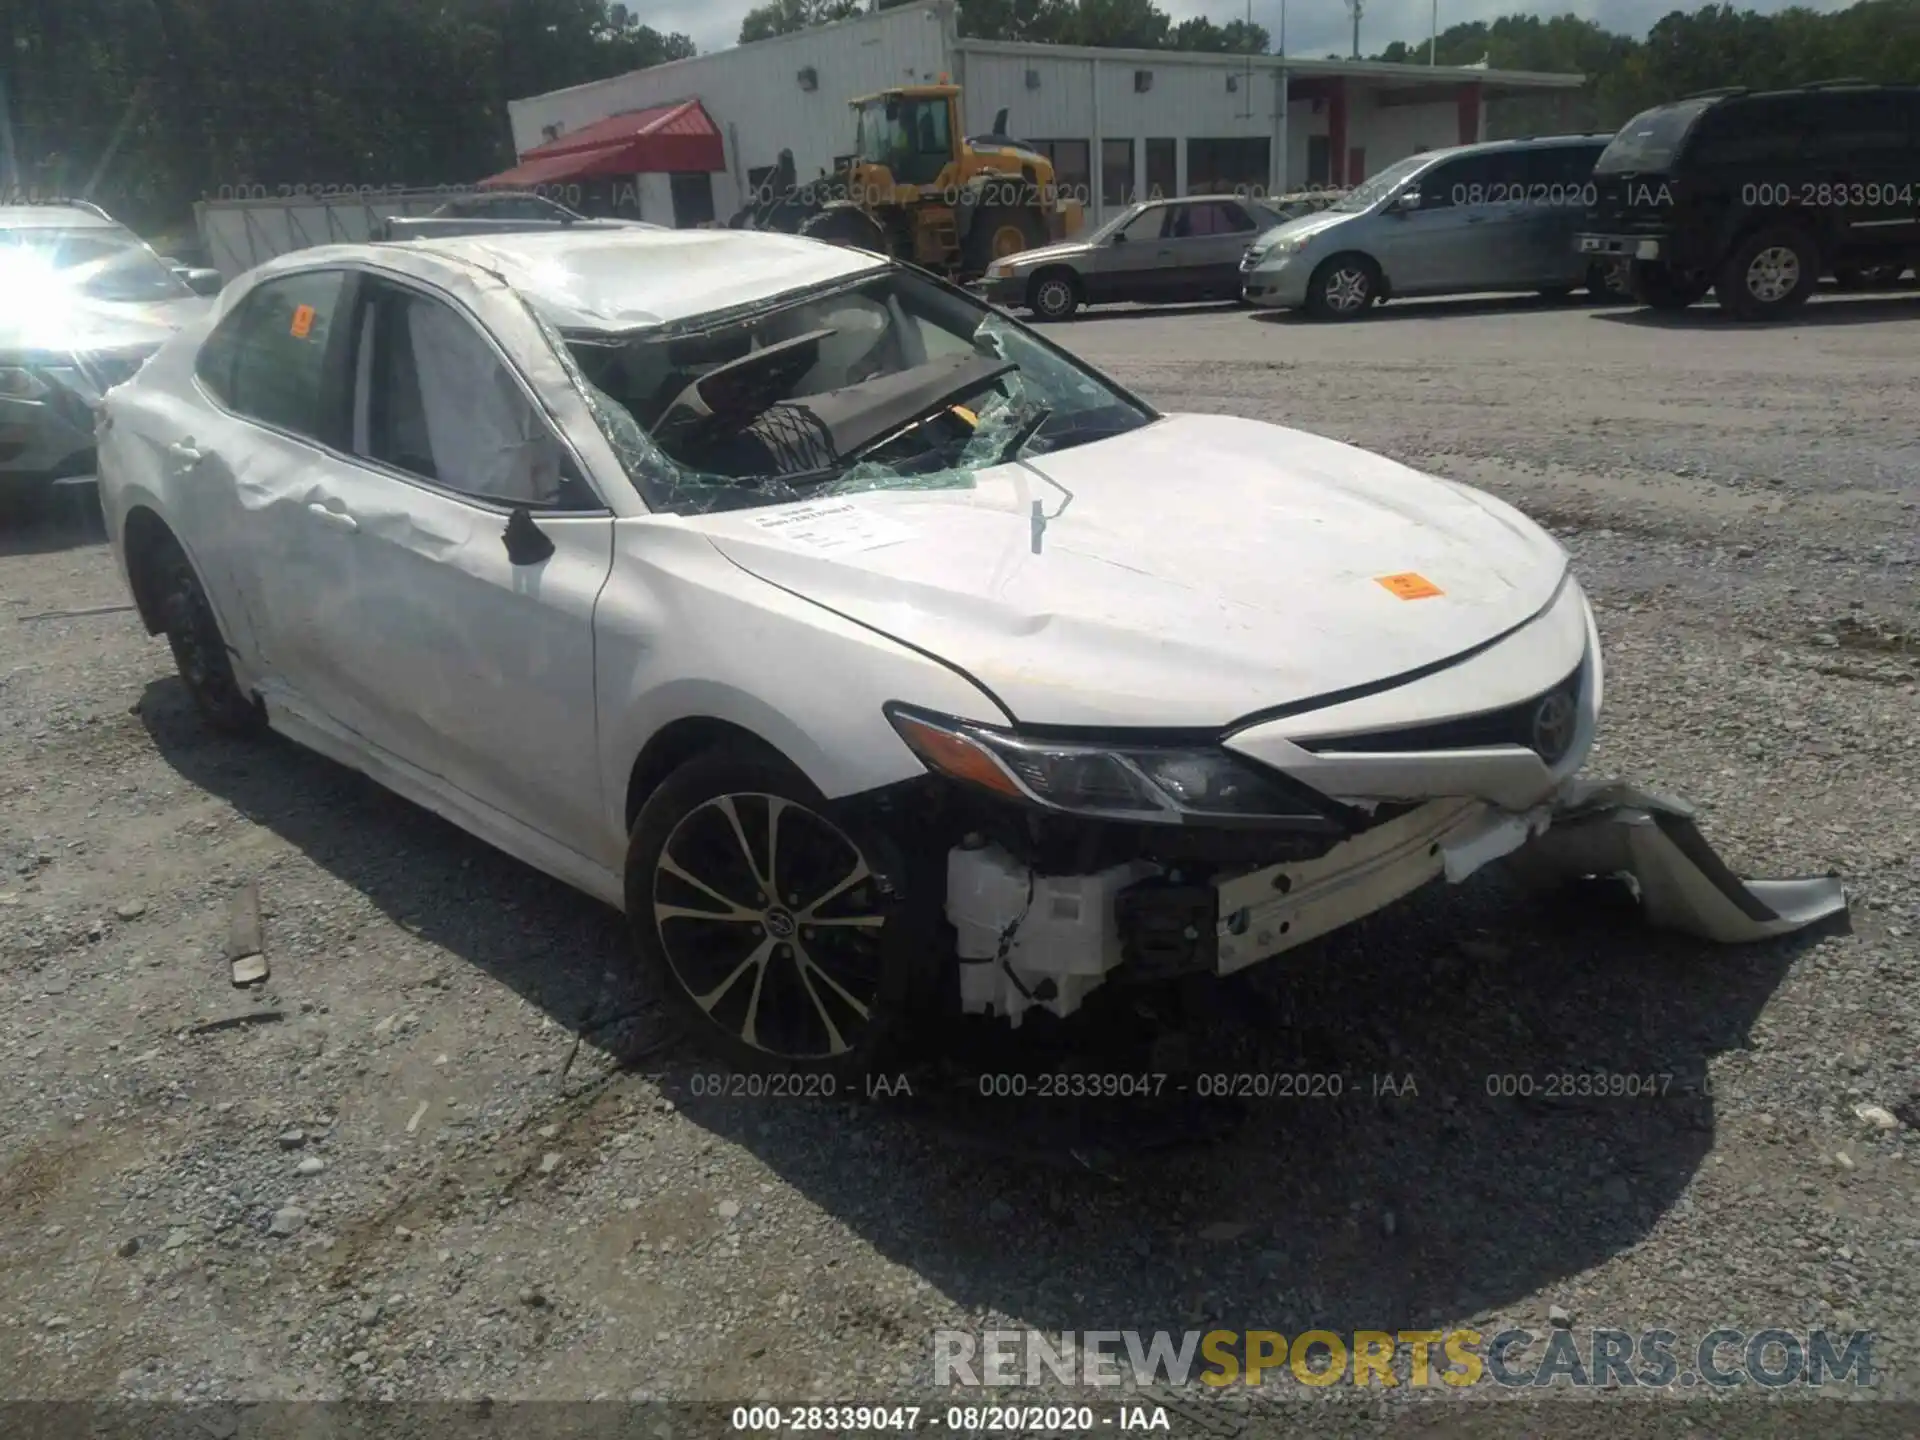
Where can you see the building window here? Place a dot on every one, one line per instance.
(1238, 166)
(1319, 160)
(1072, 167)
(1163, 173)
(1116, 173)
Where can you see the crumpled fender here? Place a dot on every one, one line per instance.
(1608, 827)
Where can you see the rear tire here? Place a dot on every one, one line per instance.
(1342, 288)
(1054, 294)
(821, 966)
(1658, 288)
(1769, 274)
(200, 651)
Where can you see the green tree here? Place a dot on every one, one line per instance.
(783, 17)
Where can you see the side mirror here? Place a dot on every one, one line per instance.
(1405, 201)
(1119, 238)
(205, 282)
(526, 543)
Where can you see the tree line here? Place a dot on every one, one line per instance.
(149, 105)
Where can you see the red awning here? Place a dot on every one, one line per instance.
(665, 139)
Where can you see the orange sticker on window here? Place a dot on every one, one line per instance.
(302, 321)
(1409, 586)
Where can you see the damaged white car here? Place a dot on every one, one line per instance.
(866, 649)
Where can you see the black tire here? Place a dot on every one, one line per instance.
(1658, 288)
(1343, 287)
(200, 651)
(1769, 274)
(1608, 283)
(843, 225)
(756, 985)
(995, 228)
(1054, 294)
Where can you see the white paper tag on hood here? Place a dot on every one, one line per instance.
(832, 527)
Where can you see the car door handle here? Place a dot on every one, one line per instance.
(183, 451)
(338, 518)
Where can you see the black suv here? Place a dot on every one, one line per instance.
(1757, 195)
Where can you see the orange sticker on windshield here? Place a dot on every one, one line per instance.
(302, 321)
(1409, 586)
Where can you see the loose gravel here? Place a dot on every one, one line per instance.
(448, 1149)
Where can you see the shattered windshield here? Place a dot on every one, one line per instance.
(98, 263)
(1372, 192)
(889, 382)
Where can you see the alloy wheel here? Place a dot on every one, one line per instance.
(1347, 290)
(1772, 274)
(772, 921)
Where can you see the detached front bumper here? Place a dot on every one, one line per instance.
(1122, 918)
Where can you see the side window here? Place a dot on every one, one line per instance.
(1455, 182)
(1216, 217)
(268, 359)
(1234, 220)
(1868, 127)
(1759, 131)
(434, 399)
(1148, 224)
(1558, 168)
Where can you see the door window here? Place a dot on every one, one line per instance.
(1216, 217)
(1762, 130)
(435, 400)
(268, 359)
(1147, 226)
(1868, 128)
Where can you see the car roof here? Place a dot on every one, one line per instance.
(48, 217)
(637, 278)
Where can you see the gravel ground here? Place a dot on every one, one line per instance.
(446, 1151)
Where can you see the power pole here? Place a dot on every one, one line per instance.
(1355, 7)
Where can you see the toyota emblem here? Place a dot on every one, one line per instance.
(1553, 725)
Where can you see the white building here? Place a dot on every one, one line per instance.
(1118, 124)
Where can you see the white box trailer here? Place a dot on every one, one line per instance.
(240, 234)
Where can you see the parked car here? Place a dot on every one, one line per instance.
(1474, 219)
(1155, 252)
(83, 301)
(1756, 196)
(860, 645)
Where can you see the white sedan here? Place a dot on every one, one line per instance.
(866, 649)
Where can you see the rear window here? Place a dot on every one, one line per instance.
(1651, 140)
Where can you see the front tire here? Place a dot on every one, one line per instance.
(200, 651)
(780, 936)
(1342, 288)
(1054, 295)
(1658, 288)
(1768, 275)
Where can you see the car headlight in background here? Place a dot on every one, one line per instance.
(1167, 785)
(19, 383)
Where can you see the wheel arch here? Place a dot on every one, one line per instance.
(144, 537)
(1382, 281)
(682, 741)
(1062, 270)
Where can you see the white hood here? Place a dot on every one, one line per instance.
(1206, 568)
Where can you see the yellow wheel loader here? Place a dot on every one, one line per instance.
(919, 190)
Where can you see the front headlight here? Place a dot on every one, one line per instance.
(18, 383)
(1167, 785)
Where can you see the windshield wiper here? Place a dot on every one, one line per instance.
(1023, 432)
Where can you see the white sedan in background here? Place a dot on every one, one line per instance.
(866, 649)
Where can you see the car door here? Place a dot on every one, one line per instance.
(247, 464)
(462, 640)
(1555, 205)
(1129, 265)
(1437, 246)
(1859, 148)
(1206, 239)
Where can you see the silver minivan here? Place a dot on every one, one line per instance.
(1474, 219)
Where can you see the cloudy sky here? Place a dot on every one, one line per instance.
(1314, 27)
